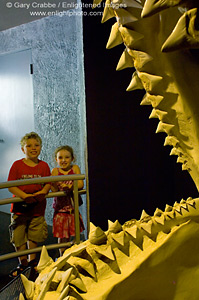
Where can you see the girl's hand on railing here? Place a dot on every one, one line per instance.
(66, 187)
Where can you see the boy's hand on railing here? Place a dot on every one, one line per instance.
(30, 199)
(40, 197)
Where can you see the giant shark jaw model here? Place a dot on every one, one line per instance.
(156, 257)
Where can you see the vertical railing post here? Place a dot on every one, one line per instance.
(76, 211)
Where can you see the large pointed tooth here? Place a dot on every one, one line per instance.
(108, 12)
(171, 141)
(130, 37)
(65, 280)
(160, 220)
(145, 100)
(61, 261)
(144, 216)
(158, 212)
(181, 160)
(132, 231)
(77, 282)
(175, 151)
(184, 35)
(124, 17)
(161, 114)
(153, 114)
(135, 83)
(156, 113)
(97, 235)
(168, 208)
(147, 243)
(45, 260)
(171, 214)
(163, 127)
(149, 81)
(147, 226)
(115, 37)
(186, 167)
(161, 236)
(28, 287)
(191, 202)
(155, 99)
(64, 293)
(183, 204)
(140, 58)
(152, 7)
(105, 251)
(169, 211)
(177, 207)
(125, 61)
(76, 250)
(84, 264)
(21, 297)
(119, 237)
(114, 227)
(134, 250)
(45, 285)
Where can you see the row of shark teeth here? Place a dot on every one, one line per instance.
(141, 80)
(98, 237)
(171, 140)
(165, 127)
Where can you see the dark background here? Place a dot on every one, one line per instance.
(129, 168)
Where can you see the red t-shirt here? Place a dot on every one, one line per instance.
(20, 170)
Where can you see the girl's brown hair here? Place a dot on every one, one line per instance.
(65, 147)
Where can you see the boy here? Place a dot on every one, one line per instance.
(28, 226)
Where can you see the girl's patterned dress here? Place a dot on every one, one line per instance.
(63, 218)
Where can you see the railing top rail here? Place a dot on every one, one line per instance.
(7, 256)
(49, 195)
(38, 180)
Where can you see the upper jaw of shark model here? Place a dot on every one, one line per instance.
(161, 45)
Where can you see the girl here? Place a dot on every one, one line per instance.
(63, 218)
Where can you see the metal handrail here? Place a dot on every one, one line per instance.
(34, 250)
(49, 195)
(39, 180)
